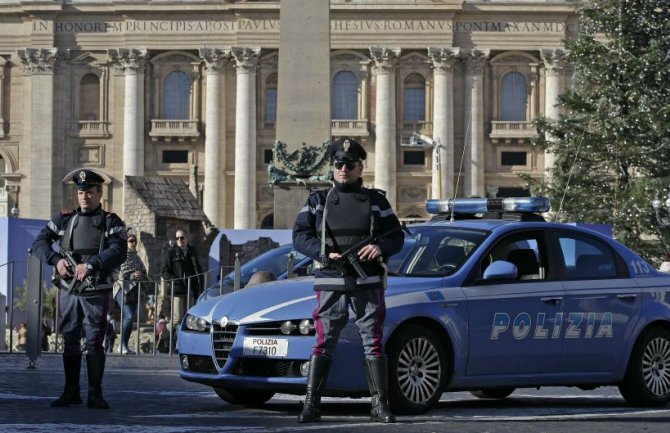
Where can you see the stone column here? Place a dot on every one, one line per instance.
(385, 130)
(443, 120)
(44, 194)
(246, 60)
(2, 98)
(214, 63)
(132, 62)
(553, 69)
(474, 181)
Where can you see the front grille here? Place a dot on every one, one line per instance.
(200, 364)
(222, 342)
(267, 368)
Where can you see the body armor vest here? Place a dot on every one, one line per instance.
(85, 236)
(348, 219)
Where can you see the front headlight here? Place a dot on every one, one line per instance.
(194, 323)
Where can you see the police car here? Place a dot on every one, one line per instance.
(485, 305)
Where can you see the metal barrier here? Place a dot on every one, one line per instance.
(36, 287)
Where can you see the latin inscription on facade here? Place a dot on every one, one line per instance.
(272, 26)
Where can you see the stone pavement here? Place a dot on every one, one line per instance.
(17, 361)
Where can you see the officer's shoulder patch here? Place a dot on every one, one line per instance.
(379, 191)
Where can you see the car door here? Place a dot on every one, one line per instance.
(512, 323)
(602, 305)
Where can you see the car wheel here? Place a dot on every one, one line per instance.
(492, 392)
(647, 381)
(418, 368)
(244, 397)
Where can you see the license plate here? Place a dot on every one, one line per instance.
(269, 347)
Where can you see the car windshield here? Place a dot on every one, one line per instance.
(274, 261)
(434, 251)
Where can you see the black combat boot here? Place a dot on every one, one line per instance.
(378, 383)
(319, 366)
(72, 367)
(95, 362)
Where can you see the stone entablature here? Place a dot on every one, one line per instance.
(132, 46)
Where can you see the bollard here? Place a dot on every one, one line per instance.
(33, 308)
(238, 272)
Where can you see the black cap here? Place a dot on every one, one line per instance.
(85, 179)
(347, 149)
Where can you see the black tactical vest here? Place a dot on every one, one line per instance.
(348, 219)
(85, 235)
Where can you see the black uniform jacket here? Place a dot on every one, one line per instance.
(114, 249)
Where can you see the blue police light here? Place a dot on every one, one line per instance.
(482, 205)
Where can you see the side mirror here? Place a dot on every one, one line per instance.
(500, 270)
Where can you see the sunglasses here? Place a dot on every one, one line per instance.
(132, 241)
(180, 238)
(339, 164)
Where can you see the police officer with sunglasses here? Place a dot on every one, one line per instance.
(331, 221)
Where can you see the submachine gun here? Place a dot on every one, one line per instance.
(351, 255)
(70, 283)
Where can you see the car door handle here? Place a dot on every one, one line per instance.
(627, 296)
(554, 300)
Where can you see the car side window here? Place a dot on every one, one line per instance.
(525, 251)
(586, 258)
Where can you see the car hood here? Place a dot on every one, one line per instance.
(285, 299)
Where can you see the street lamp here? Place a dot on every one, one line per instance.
(419, 140)
(661, 208)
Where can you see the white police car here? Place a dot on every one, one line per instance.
(486, 305)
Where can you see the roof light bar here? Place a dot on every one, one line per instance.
(483, 205)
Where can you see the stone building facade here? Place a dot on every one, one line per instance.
(187, 89)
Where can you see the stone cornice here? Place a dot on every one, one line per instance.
(246, 59)
(214, 58)
(129, 60)
(385, 58)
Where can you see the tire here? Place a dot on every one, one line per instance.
(647, 380)
(418, 370)
(493, 393)
(243, 397)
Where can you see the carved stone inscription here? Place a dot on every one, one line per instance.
(232, 25)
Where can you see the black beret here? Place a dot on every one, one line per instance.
(347, 149)
(85, 179)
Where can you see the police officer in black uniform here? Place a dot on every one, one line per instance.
(96, 240)
(332, 221)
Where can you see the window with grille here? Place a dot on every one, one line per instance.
(414, 98)
(89, 97)
(176, 96)
(513, 99)
(271, 99)
(345, 96)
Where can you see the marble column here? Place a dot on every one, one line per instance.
(554, 63)
(443, 120)
(44, 189)
(246, 61)
(474, 183)
(132, 62)
(385, 129)
(215, 60)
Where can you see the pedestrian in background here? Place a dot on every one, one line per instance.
(23, 336)
(110, 334)
(126, 291)
(96, 240)
(332, 221)
(182, 271)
